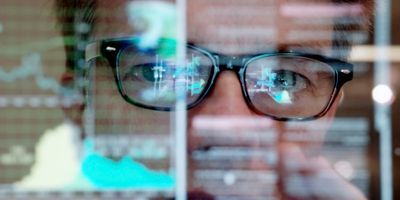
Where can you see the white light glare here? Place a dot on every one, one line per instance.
(382, 94)
(344, 168)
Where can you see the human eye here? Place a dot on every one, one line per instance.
(148, 76)
(146, 72)
(284, 79)
(288, 80)
(282, 85)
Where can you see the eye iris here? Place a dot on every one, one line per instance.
(285, 79)
(148, 73)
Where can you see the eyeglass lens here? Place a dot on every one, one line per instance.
(150, 77)
(289, 86)
(279, 85)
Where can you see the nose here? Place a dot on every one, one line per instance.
(224, 99)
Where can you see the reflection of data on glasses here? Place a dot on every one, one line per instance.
(283, 85)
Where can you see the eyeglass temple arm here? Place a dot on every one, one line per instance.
(92, 50)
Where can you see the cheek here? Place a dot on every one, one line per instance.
(309, 135)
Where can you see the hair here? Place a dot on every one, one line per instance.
(77, 19)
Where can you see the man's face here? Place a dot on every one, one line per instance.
(234, 28)
(230, 28)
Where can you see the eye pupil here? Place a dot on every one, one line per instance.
(148, 73)
(286, 78)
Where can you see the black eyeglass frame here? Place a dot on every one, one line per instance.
(111, 49)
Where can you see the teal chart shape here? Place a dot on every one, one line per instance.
(123, 174)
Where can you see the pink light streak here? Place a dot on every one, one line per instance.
(308, 10)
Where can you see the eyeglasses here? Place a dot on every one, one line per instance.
(281, 85)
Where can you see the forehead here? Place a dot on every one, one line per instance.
(227, 26)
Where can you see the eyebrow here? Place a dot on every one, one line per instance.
(307, 44)
(313, 47)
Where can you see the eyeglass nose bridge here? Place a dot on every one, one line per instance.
(234, 63)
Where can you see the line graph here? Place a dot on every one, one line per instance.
(31, 65)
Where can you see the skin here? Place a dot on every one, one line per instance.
(226, 99)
